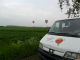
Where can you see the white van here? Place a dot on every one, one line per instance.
(62, 42)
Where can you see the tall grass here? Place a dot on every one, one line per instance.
(19, 42)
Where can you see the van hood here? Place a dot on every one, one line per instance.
(61, 43)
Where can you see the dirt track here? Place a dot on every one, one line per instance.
(35, 57)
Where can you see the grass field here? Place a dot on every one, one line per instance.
(19, 42)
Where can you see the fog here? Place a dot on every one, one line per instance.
(23, 12)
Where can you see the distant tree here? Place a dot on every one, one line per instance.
(74, 7)
(1, 26)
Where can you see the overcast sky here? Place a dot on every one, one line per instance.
(23, 12)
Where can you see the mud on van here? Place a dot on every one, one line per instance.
(62, 42)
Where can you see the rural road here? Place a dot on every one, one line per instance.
(35, 57)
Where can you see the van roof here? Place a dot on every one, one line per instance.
(68, 19)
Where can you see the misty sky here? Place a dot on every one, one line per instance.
(23, 12)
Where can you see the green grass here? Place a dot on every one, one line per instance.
(18, 42)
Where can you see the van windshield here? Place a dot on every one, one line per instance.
(66, 27)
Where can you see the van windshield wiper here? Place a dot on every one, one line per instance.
(63, 34)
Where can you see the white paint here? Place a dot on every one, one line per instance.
(69, 44)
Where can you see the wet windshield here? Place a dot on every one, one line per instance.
(69, 27)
